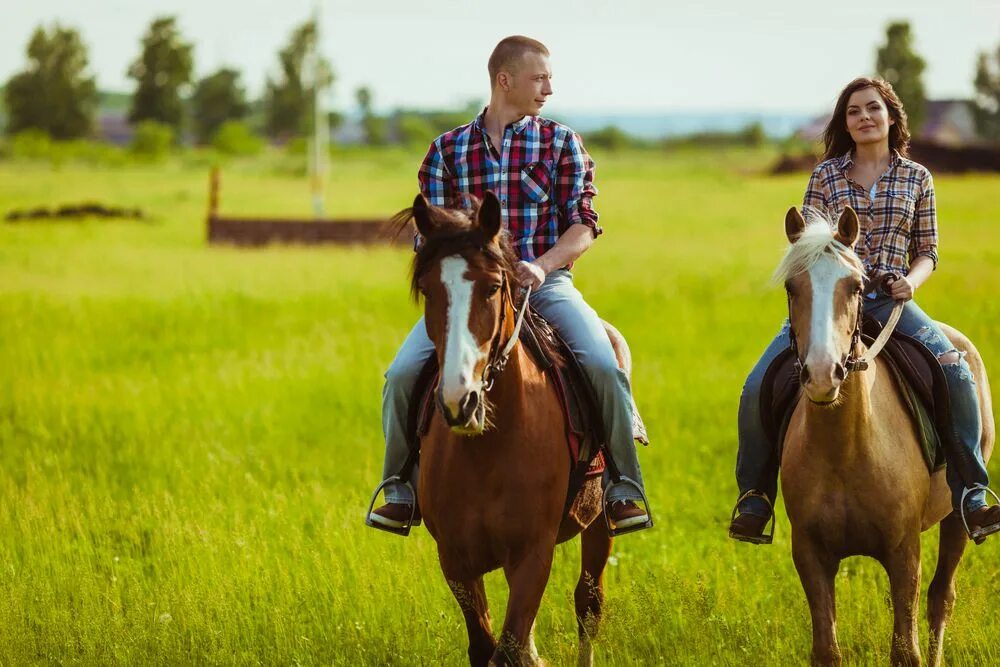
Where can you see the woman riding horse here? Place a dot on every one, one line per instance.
(866, 168)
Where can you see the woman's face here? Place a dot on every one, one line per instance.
(868, 119)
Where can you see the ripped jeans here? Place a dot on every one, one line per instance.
(757, 461)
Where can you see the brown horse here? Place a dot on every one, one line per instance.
(494, 470)
(853, 476)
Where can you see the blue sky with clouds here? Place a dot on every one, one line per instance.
(614, 55)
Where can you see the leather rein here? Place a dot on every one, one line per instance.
(854, 362)
(500, 355)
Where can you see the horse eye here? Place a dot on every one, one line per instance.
(493, 290)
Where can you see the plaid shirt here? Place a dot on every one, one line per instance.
(542, 175)
(897, 226)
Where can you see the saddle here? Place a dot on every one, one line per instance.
(915, 368)
(585, 432)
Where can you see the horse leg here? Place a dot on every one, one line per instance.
(589, 594)
(817, 569)
(941, 593)
(903, 567)
(471, 597)
(526, 576)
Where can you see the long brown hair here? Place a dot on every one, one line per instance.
(837, 139)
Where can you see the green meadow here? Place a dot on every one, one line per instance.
(189, 435)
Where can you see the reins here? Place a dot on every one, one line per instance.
(499, 356)
(855, 363)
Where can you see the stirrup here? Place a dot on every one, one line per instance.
(403, 530)
(980, 534)
(765, 537)
(612, 531)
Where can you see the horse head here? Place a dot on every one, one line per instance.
(824, 280)
(463, 269)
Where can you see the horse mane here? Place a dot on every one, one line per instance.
(817, 241)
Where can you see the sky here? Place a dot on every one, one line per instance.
(622, 56)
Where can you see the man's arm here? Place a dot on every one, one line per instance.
(574, 242)
(574, 192)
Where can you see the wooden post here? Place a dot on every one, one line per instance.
(213, 202)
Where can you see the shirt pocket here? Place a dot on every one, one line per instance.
(899, 209)
(536, 182)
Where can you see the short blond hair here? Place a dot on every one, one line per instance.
(508, 53)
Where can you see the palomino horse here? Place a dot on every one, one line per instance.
(853, 476)
(494, 464)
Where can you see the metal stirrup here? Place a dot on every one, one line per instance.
(981, 533)
(648, 523)
(403, 530)
(764, 538)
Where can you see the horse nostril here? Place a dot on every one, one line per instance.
(804, 374)
(469, 404)
(840, 371)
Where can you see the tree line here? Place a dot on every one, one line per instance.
(56, 93)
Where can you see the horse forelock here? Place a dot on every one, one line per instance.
(455, 231)
(816, 242)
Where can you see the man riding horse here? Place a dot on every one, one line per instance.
(544, 180)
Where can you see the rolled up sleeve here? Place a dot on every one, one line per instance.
(575, 188)
(924, 234)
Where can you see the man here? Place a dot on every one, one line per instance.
(544, 180)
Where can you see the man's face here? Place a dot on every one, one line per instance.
(530, 84)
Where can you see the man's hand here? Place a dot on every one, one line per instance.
(530, 275)
(901, 289)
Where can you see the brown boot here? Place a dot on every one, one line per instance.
(395, 515)
(750, 528)
(626, 514)
(983, 522)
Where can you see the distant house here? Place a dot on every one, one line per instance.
(948, 123)
(113, 127)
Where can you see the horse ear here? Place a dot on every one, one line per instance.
(794, 225)
(490, 220)
(848, 227)
(422, 215)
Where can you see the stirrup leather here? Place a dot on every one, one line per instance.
(765, 537)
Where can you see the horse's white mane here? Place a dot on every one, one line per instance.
(817, 241)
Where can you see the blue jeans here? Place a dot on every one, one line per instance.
(562, 305)
(757, 461)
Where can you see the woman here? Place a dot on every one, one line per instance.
(866, 167)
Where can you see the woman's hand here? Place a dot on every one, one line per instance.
(901, 289)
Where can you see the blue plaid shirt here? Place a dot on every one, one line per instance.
(542, 175)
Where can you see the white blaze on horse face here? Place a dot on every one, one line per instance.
(461, 352)
(823, 354)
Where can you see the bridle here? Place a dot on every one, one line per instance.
(500, 355)
(854, 362)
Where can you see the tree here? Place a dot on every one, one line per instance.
(54, 94)
(375, 127)
(217, 98)
(987, 103)
(900, 65)
(162, 71)
(289, 100)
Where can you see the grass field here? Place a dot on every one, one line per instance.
(189, 435)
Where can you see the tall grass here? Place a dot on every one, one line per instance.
(189, 435)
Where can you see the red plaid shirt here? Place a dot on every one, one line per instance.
(542, 175)
(897, 226)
